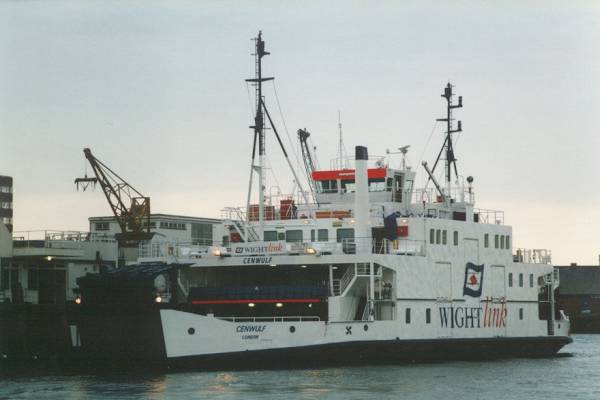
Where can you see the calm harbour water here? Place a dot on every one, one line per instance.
(574, 375)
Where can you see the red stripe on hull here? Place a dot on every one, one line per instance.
(255, 301)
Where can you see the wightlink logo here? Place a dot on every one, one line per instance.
(271, 248)
(488, 316)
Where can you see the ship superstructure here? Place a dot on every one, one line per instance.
(362, 267)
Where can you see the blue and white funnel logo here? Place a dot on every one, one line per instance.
(473, 280)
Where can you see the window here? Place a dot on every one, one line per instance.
(501, 241)
(5, 189)
(345, 236)
(432, 236)
(293, 236)
(520, 313)
(323, 235)
(510, 279)
(348, 185)
(5, 204)
(507, 242)
(407, 316)
(520, 280)
(176, 225)
(456, 238)
(101, 226)
(486, 240)
(530, 280)
(13, 273)
(377, 185)
(7, 221)
(327, 186)
(496, 241)
(270, 236)
(428, 316)
(444, 237)
(438, 236)
(152, 225)
(312, 235)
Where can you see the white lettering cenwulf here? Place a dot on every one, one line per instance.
(361, 267)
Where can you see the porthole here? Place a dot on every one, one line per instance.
(366, 327)
(191, 331)
(292, 329)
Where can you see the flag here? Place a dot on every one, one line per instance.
(473, 280)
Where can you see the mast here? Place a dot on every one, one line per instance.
(448, 147)
(259, 135)
(259, 131)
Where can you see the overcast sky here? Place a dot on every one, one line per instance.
(157, 90)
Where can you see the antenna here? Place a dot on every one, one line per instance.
(341, 141)
(404, 150)
(448, 147)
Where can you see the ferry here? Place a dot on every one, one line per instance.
(360, 267)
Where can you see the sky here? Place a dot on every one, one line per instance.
(157, 91)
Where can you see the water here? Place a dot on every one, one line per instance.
(574, 375)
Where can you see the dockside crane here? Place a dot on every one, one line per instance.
(130, 207)
(310, 162)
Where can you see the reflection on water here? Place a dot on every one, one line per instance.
(575, 377)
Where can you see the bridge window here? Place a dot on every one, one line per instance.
(270, 236)
(530, 280)
(327, 186)
(496, 244)
(428, 316)
(510, 279)
(507, 242)
(520, 280)
(407, 316)
(438, 236)
(293, 236)
(444, 236)
(377, 185)
(348, 185)
(520, 313)
(432, 236)
(486, 240)
(456, 238)
(501, 241)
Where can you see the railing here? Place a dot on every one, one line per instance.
(490, 216)
(403, 247)
(57, 239)
(533, 256)
(360, 270)
(171, 249)
(346, 278)
(431, 195)
(271, 319)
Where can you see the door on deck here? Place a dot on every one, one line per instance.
(497, 307)
(51, 286)
(471, 247)
(442, 315)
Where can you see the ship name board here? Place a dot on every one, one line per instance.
(260, 260)
(250, 331)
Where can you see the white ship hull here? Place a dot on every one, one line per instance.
(216, 343)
